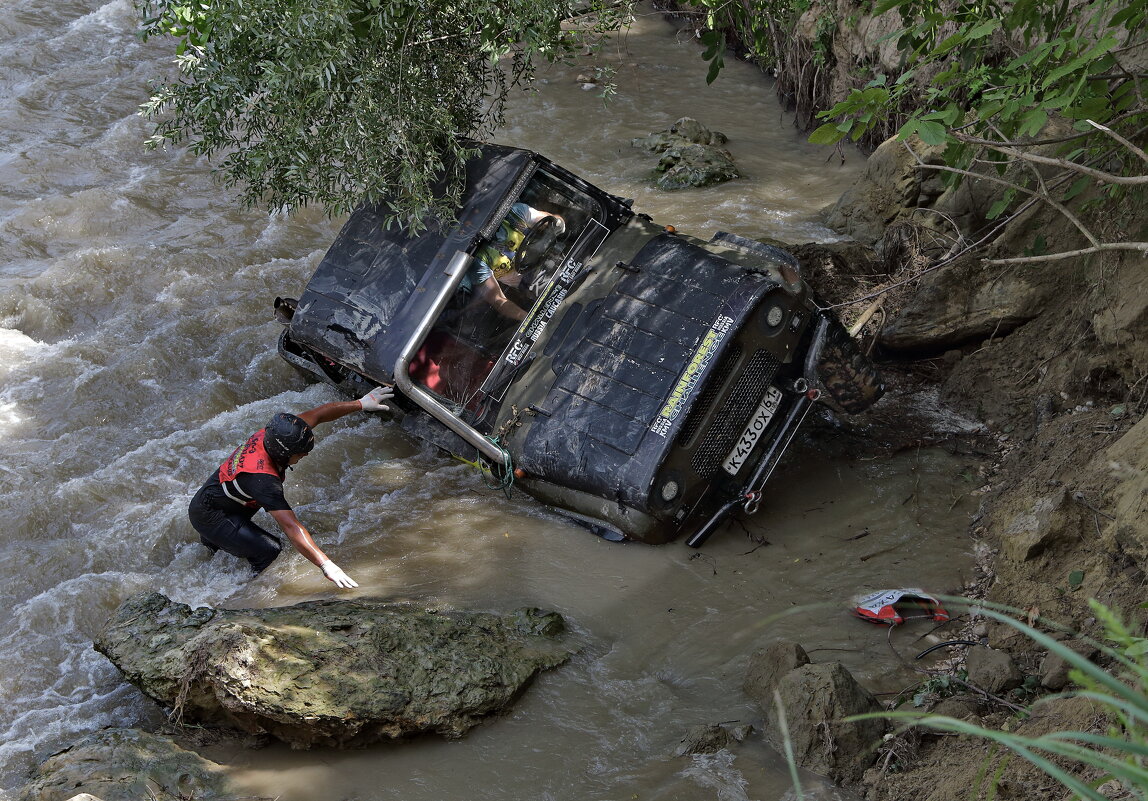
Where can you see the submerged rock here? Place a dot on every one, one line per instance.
(127, 765)
(330, 673)
(695, 165)
(706, 738)
(691, 155)
(817, 700)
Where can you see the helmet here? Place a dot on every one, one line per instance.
(286, 435)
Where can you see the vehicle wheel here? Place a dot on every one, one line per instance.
(852, 380)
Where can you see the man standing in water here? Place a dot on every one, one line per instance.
(251, 478)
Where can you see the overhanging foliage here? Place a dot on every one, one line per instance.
(340, 101)
(985, 78)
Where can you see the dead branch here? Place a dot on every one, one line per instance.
(1064, 164)
(1070, 254)
(1120, 139)
(1014, 186)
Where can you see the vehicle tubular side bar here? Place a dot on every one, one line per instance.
(455, 270)
(793, 420)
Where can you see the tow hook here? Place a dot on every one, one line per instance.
(752, 502)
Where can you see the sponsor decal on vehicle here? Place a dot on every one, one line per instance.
(690, 376)
(749, 437)
(533, 326)
(555, 293)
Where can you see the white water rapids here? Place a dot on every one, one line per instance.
(137, 348)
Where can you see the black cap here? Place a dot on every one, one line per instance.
(286, 435)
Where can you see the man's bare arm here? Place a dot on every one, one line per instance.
(330, 411)
(492, 293)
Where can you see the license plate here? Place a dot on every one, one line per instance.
(749, 437)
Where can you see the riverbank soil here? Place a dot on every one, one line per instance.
(1048, 359)
(1052, 360)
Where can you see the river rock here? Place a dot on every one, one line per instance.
(963, 304)
(706, 738)
(331, 672)
(685, 131)
(695, 165)
(991, 670)
(691, 155)
(127, 765)
(768, 666)
(816, 699)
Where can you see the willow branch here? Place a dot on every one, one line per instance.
(1070, 254)
(1016, 187)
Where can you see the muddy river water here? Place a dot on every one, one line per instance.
(137, 348)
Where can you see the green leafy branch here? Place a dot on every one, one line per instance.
(986, 80)
(337, 102)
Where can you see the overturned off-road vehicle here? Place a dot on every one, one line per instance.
(653, 385)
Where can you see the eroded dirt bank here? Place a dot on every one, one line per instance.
(1052, 359)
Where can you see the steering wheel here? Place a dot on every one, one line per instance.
(539, 239)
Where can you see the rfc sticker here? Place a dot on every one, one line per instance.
(693, 372)
(757, 424)
(542, 312)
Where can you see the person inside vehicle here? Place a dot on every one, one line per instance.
(456, 357)
(497, 261)
(251, 478)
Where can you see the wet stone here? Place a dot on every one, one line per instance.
(127, 765)
(332, 673)
(704, 739)
(767, 667)
(992, 671)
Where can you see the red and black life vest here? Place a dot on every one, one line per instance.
(250, 457)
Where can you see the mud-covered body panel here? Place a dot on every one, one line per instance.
(622, 392)
(656, 379)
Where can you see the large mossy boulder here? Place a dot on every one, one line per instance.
(694, 166)
(127, 765)
(893, 184)
(965, 304)
(331, 673)
(692, 156)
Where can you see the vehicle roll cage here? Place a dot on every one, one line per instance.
(454, 271)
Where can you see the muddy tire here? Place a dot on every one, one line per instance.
(851, 379)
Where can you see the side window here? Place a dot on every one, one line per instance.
(509, 273)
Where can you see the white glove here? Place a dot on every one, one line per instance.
(336, 574)
(373, 400)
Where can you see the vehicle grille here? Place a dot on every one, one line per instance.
(733, 415)
(708, 396)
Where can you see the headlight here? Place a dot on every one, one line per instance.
(774, 316)
(670, 490)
